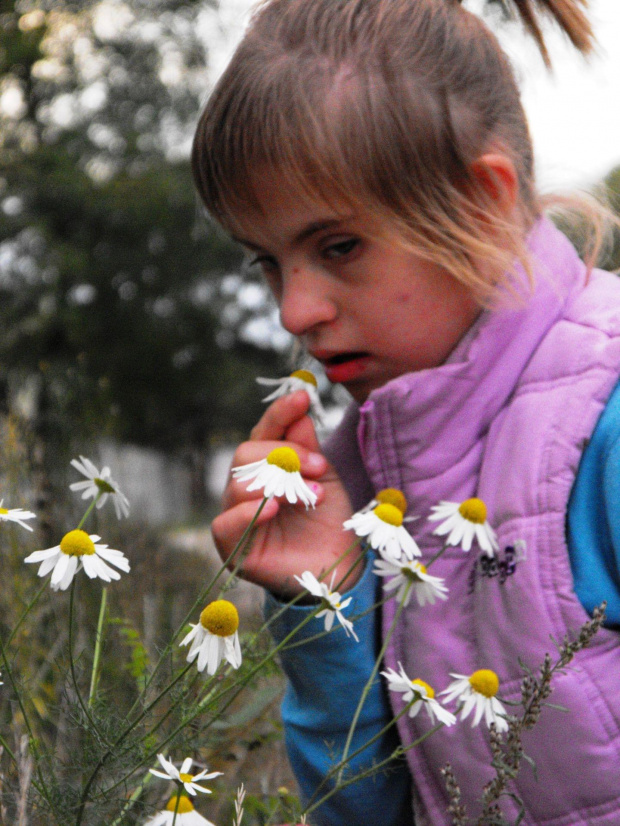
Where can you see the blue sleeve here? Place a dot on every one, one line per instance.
(326, 677)
(594, 517)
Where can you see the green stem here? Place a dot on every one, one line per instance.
(210, 698)
(437, 555)
(353, 755)
(242, 546)
(98, 643)
(374, 769)
(133, 797)
(104, 758)
(286, 605)
(72, 668)
(176, 808)
(41, 787)
(28, 609)
(370, 681)
(201, 597)
(88, 510)
(7, 749)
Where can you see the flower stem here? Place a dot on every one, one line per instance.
(176, 808)
(72, 667)
(132, 799)
(375, 768)
(242, 546)
(27, 610)
(437, 555)
(370, 681)
(199, 599)
(94, 678)
(40, 786)
(88, 510)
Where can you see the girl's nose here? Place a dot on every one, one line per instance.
(306, 302)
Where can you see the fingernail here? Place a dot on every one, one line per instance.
(315, 461)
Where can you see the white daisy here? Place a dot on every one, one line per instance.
(410, 577)
(182, 775)
(463, 522)
(383, 528)
(478, 692)
(331, 601)
(186, 815)
(299, 380)
(16, 515)
(78, 550)
(215, 637)
(99, 482)
(278, 474)
(419, 694)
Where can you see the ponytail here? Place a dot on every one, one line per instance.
(568, 14)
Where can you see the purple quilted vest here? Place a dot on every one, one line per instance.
(506, 419)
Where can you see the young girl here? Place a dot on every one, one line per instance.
(374, 158)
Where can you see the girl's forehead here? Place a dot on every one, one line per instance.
(287, 212)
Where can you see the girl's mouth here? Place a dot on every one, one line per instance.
(345, 366)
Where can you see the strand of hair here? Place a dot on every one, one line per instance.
(568, 15)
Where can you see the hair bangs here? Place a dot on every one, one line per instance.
(271, 124)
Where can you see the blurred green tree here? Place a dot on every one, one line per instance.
(115, 292)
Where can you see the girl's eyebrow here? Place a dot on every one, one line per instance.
(307, 232)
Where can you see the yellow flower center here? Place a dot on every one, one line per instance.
(413, 573)
(186, 778)
(104, 487)
(3, 511)
(390, 514)
(474, 510)
(430, 694)
(77, 543)
(392, 496)
(185, 805)
(304, 375)
(485, 682)
(284, 458)
(220, 618)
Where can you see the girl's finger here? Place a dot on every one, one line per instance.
(280, 415)
(227, 528)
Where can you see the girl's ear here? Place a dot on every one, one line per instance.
(497, 175)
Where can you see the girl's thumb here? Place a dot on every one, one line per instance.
(302, 432)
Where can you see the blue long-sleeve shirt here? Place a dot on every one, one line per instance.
(327, 674)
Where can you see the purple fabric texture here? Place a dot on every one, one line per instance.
(505, 419)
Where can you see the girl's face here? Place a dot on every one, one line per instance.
(364, 307)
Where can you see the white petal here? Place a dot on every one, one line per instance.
(66, 580)
(37, 556)
(116, 558)
(61, 567)
(216, 652)
(47, 565)
(190, 636)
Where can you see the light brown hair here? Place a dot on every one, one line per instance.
(383, 105)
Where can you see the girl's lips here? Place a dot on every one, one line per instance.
(346, 367)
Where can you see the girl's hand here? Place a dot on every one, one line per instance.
(288, 539)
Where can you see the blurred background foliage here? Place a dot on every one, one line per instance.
(122, 308)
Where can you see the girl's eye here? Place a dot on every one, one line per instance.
(341, 248)
(266, 263)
